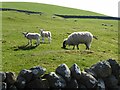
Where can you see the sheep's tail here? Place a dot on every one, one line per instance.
(95, 37)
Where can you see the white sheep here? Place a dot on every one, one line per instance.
(77, 38)
(31, 36)
(45, 34)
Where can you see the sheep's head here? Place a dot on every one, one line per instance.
(41, 30)
(64, 43)
(25, 33)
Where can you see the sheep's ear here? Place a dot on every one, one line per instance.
(23, 32)
(41, 29)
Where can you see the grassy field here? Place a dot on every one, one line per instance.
(47, 9)
(15, 57)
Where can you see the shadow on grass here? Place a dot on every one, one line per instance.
(27, 47)
(44, 43)
(24, 47)
(81, 51)
(65, 48)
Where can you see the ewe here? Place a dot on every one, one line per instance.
(77, 38)
(45, 34)
(31, 36)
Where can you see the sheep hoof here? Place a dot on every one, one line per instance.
(63, 47)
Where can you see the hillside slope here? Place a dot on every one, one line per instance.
(49, 9)
(15, 56)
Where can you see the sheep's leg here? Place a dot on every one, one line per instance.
(28, 42)
(31, 42)
(43, 39)
(77, 47)
(87, 46)
(38, 42)
(74, 47)
(49, 39)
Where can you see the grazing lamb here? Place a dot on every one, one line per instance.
(31, 36)
(77, 38)
(45, 34)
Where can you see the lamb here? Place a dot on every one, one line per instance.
(77, 38)
(31, 36)
(45, 34)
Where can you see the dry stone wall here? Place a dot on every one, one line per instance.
(103, 75)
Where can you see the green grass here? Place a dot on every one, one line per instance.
(48, 9)
(52, 55)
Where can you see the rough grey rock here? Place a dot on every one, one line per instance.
(111, 81)
(88, 80)
(38, 71)
(3, 86)
(72, 83)
(45, 83)
(115, 68)
(118, 77)
(10, 78)
(83, 87)
(75, 71)
(12, 87)
(26, 74)
(80, 85)
(54, 80)
(101, 84)
(91, 72)
(102, 69)
(64, 71)
(36, 84)
(20, 83)
(2, 76)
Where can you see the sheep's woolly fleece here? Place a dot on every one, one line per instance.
(77, 38)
